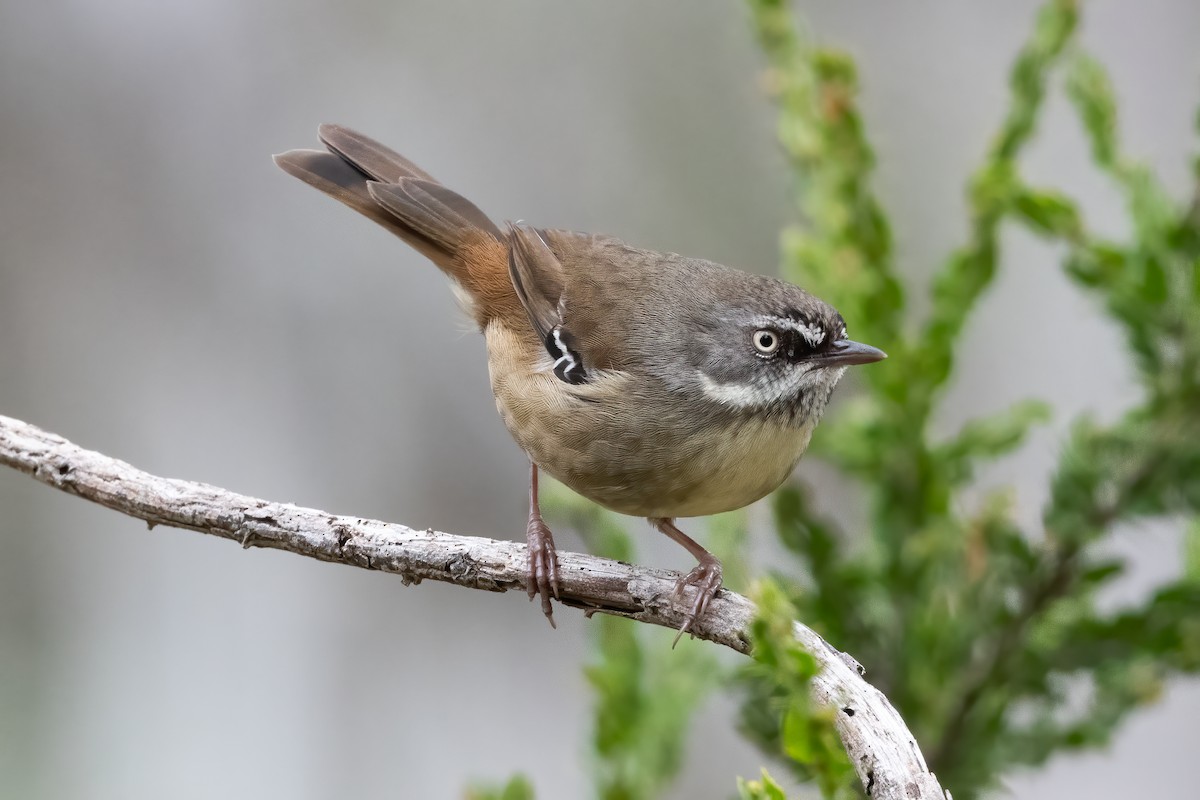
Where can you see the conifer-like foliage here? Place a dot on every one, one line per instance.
(986, 636)
(976, 629)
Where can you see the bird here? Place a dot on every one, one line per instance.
(654, 384)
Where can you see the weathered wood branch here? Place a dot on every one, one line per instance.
(880, 746)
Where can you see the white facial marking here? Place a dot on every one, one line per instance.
(737, 395)
(813, 334)
(754, 395)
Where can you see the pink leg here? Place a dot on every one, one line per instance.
(543, 560)
(706, 576)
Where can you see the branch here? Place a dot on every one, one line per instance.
(883, 752)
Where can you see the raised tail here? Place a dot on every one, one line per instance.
(386, 187)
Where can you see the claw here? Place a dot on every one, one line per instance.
(706, 577)
(543, 559)
(543, 565)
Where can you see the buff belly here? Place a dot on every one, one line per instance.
(632, 453)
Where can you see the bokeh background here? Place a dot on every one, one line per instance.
(170, 298)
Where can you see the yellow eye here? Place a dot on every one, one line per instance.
(766, 342)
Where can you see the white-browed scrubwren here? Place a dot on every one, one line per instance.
(654, 384)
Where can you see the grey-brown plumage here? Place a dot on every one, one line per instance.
(654, 384)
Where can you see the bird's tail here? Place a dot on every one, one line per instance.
(386, 187)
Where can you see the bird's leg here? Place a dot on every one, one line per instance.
(543, 560)
(706, 576)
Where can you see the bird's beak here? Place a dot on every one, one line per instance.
(845, 353)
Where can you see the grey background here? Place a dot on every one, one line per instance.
(168, 297)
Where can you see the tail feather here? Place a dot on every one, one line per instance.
(433, 211)
(378, 161)
(385, 187)
(337, 178)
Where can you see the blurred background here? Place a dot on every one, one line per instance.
(168, 297)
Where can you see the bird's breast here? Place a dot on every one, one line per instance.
(631, 447)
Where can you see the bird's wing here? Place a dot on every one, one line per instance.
(576, 297)
(539, 280)
(537, 276)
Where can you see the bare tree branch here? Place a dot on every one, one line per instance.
(880, 746)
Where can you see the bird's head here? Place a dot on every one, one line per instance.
(769, 347)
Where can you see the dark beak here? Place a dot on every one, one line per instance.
(845, 353)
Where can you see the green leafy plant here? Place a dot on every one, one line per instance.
(645, 693)
(976, 629)
(517, 788)
(984, 635)
(804, 732)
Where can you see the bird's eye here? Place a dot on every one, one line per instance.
(766, 342)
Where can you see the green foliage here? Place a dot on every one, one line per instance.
(644, 699)
(518, 788)
(645, 692)
(805, 732)
(766, 789)
(1191, 557)
(985, 635)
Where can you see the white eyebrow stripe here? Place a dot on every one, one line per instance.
(813, 334)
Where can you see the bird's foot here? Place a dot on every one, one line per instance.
(543, 565)
(706, 577)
